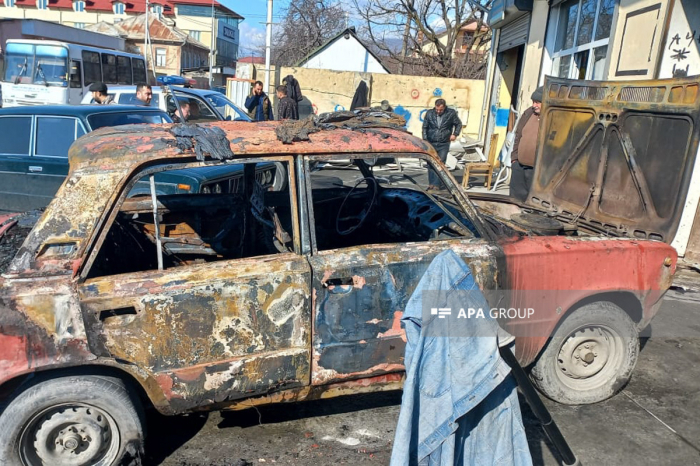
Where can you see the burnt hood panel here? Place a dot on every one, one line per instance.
(617, 155)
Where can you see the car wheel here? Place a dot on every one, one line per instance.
(590, 357)
(70, 421)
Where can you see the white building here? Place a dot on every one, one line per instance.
(344, 52)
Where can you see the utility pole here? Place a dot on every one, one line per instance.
(268, 44)
(211, 45)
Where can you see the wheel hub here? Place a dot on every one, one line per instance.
(585, 353)
(73, 435)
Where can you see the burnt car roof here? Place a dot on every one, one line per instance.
(119, 148)
(76, 110)
(617, 155)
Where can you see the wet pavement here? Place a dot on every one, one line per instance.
(653, 421)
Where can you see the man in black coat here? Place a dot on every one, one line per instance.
(286, 110)
(441, 125)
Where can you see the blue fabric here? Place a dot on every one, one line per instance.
(460, 403)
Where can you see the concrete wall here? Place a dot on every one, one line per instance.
(411, 96)
(345, 55)
(681, 56)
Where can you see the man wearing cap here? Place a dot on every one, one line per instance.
(522, 156)
(99, 94)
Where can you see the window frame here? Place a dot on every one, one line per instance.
(119, 8)
(30, 143)
(97, 240)
(79, 6)
(164, 56)
(83, 53)
(35, 134)
(557, 56)
(309, 220)
(42, 4)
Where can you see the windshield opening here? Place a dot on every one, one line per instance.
(36, 64)
(226, 108)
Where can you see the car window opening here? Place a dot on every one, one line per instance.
(382, 200)
(173, 218)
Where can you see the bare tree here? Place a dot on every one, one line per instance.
(429, 32)
(307, 25)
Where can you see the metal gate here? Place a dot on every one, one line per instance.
(238, 90)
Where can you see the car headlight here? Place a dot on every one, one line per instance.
(206, 190)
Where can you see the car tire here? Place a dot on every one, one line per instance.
(82, 419)
(590, 357)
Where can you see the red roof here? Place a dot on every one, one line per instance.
(253, 60)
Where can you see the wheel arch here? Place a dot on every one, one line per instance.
(146, 388)
(625, 300)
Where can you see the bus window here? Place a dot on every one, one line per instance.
(139, 71)
(109, 68)
(124, 70)
(75, 75)
(91, 65)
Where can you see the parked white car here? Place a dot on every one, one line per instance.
(205, 104)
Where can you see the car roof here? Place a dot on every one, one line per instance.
(121, 148)
(159, 90)
(76, 110)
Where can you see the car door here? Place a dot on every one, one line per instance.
(15, 156)
(223, 321)
(48, 166)
(361, 286)
(200, 111)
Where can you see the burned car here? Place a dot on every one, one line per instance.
(190, 301)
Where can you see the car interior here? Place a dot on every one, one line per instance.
(251, 219)
(355, 202)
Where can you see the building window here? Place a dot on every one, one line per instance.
(582, 37)
(9, 3)
(160, 57)
(79, 25)
(157, 9)
(195, 35)
(79, 5)
(118, 8)
(42, 4)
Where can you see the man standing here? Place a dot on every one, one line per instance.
(522, 157)
(286, 110)
(441, 126)
(258, 104)
(144, 94)
(99, 94)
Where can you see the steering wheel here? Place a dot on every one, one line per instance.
(358, 219)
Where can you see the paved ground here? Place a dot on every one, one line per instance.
(653, 421)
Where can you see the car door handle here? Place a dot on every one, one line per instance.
(339, 285)
(114, 313)
(35, 169)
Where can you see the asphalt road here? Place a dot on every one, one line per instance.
(653, 421)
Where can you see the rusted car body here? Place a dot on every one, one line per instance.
(308, 321)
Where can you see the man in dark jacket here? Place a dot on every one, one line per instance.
(286, 110)
(522, 157)
(441, 126)
(258, 104)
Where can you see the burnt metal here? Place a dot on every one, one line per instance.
(359, 120)
(617, 156)
(211, 141)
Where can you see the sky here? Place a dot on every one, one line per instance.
(252, 28)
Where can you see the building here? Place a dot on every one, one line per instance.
(344, 52)
(172, 50)
(463, 42)
(589, 39)
(197, 18)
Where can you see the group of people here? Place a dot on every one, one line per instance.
(441, 126)
(289, 95)
(100, 94)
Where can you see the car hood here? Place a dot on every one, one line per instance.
(619, 155)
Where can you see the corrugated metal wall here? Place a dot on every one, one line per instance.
(515, 33)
